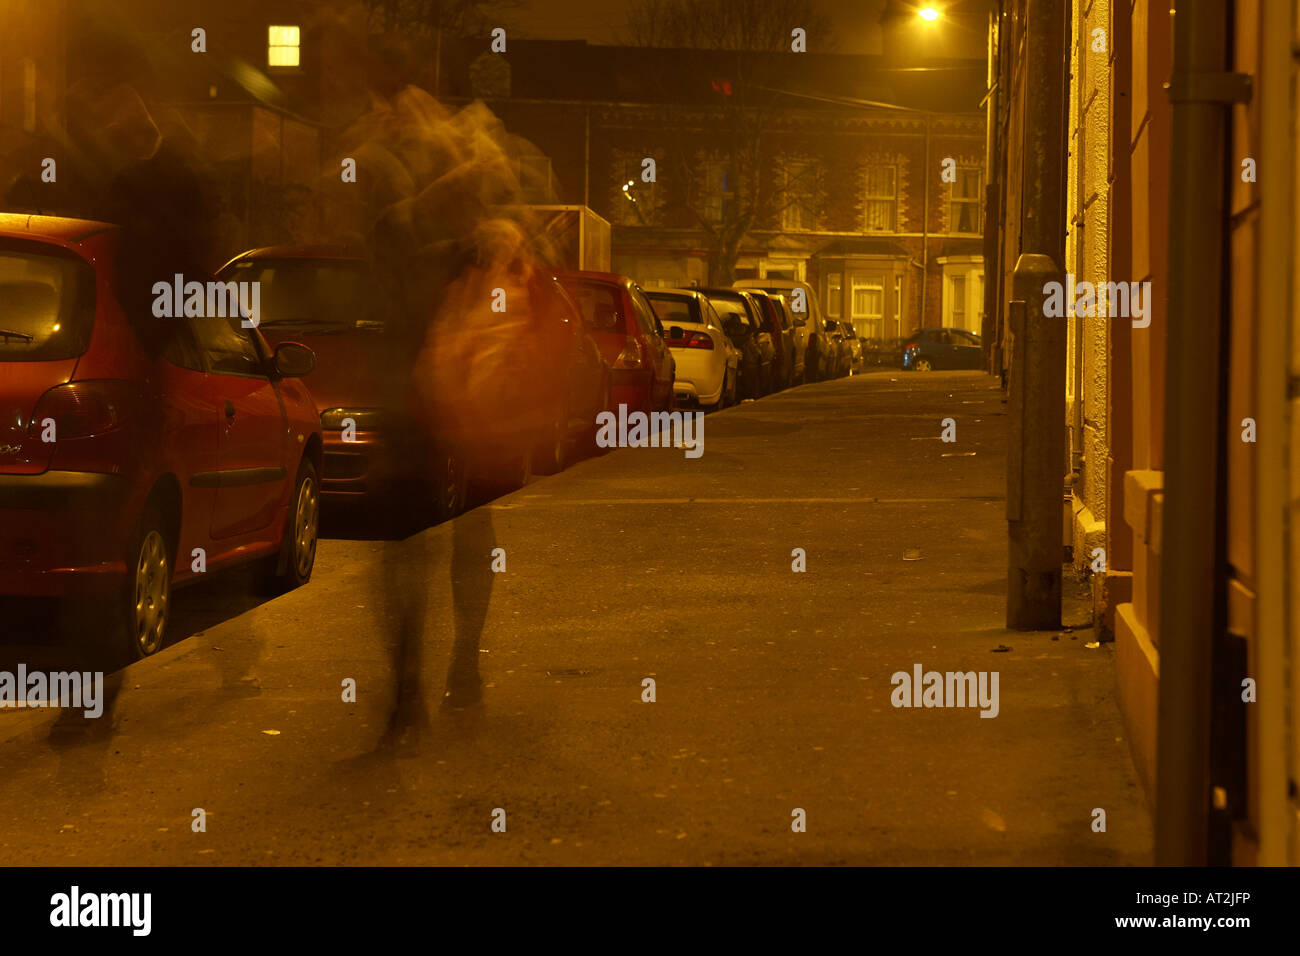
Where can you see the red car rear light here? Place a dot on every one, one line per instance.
(81, 409)
(692, 340)
(630, 357)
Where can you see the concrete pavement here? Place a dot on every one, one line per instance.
(773, 688)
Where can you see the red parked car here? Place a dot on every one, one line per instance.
(624, 324)
(139, 453)
(325, 298)
(778, 323)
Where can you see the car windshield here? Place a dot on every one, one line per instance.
(672, 309)
(317, 296)
(46, 306)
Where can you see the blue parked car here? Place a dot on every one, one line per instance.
(929, 349)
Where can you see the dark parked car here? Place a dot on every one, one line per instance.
(746, 326)
(785, 371)
(855, 344)
(929, 349)
(839, 353)
(624, 325)
(809, 323)
(139, 451)
(883, 351)
(324, 297)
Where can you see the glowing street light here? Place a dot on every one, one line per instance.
(929, 14)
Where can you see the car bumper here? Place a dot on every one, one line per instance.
(63, 533)
(630, 387)
(351, 469)
(701, 375)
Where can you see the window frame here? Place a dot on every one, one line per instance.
(248, 335)
(868, 198)
(875, 321)
(838, 297)
(295, 46)
(641, 305)
(955, 201)
(794, 172)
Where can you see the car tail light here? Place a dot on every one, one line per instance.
(81, 409)
(630, 357)
(692, 340)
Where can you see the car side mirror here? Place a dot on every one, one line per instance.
(800, 323)
(675, 333)
(292, 360)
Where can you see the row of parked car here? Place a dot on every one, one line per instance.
(139, 454)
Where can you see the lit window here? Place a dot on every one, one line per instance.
(965, 201)
(868, 305)
(282, 46)
(958, 314)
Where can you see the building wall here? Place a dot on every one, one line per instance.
(596, 147)
(33, 84)
(1262, 252)
(1276, 733)
(1118, 203)
(1243, 252)
(32, 66)
(1087, 255)
(1137, 621)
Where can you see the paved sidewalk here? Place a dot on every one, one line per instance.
(773, 687)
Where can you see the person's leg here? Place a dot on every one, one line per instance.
(403, 588)
(473, 539)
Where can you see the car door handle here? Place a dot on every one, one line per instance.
(230, 409)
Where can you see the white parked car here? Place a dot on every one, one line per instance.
(707, 362)
(809, 325)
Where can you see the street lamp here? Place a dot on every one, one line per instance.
(929, 14)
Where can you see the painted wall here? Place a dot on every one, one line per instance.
(1087, 255)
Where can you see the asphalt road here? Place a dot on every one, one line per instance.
(773, 688)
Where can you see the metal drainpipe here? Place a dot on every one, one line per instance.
(1273, 350)
(1080, 266)
(1191, 580)
(925, 226)
(992, 212)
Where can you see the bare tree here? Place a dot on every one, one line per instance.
(739, 104)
